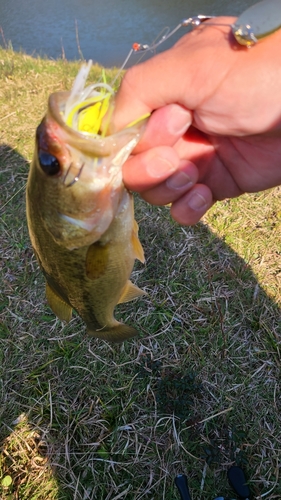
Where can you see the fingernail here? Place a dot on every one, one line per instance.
(159, 167)
(196, 201)
(179, 120)
(179, 180)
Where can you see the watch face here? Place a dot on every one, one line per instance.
(258, 21)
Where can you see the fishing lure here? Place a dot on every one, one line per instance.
(86, 106)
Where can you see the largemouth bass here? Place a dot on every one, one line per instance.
(80, 215)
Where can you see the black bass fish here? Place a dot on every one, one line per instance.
(80, 215)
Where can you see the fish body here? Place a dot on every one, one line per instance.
(81, 221)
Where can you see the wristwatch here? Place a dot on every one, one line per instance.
(258, 21)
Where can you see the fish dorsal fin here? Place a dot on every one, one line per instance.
(96, 260)
(59, 307)
(130, 292)
(138, 250)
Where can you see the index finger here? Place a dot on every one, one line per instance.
(143, 90)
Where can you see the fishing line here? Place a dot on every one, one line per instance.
(144, 48)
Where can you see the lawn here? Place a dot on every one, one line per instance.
(197, 391)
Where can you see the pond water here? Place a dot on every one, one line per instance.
(102, 30)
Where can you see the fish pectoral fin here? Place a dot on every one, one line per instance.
(96, 260)
(59, 307)
(137, 246)
(130, 292)
(117, 333)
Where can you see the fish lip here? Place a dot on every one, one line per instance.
(91, 145)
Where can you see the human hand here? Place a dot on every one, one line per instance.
(216, 126)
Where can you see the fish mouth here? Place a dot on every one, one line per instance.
(83, 117)
(91, 145)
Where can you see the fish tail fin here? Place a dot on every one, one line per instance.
(117, 333)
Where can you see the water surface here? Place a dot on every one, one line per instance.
(106, 28)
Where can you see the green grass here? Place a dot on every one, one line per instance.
(197, 391)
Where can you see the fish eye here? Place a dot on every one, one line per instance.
(49, 163)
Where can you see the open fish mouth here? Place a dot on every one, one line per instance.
(84, 113)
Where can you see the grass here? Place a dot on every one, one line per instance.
(197, 391)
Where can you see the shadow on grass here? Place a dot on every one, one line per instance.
(82, 419)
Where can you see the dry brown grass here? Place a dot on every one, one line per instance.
(197, 391)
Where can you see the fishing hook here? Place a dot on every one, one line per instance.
(76, 178)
